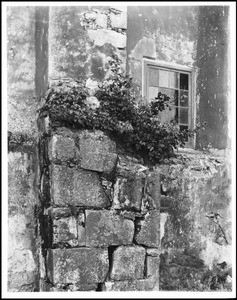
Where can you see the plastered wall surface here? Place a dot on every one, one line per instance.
(61, 42)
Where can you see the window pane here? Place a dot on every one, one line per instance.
(183, 116)
(153, 92)
(184, 98)
(183, 81)
(153, 77)
(163, 78)
(173, 80)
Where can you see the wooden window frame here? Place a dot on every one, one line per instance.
(192, 87)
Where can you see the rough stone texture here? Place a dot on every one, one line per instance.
(106, 228)
(128, 263)
(65, 231)
(153, 188)
(81, 229)
(154, 252)
(102, 36)
(118, 20)
(73, 287)
(97, 152)
(79, 266)
(96, 140)
(197, 185)
(76, 187)
(82, 42)
(148, 229)
(58, 212)
(152, 268)
(22, 239)
(101, 162)
(128, 192)
(131, 285)
(62, 148)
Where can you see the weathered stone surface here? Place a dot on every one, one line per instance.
(65, 231)
(97, 161)
(152, 267)
(76, 187)
(128, 192)
(148, 230)
(97, 152)
(119, 20)
(131, 285)
(81, 229)
(62, 148)
(77, 265)
(152, 252)
(21, 233)
(58, 212)
(74, 287)
(103, 36)
(153, 188)
(105, 228)
(96, 140)
(128, 263)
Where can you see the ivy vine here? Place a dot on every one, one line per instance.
(136, 127)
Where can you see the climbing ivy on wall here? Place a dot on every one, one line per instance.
(114, 110)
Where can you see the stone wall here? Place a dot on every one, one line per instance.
(196, 224)
(83, 39)
(100, 215)
(23, 242)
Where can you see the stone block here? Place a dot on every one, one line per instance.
(62, 148)
(106, 228)
(119, 20)
(101, 20)
(93, 160)
(74, 287)
(152, 267)
(76, 187)
(128, 263)
(131, 285)
(65, 231)
(153, 188)
(81, 229)
(148, 229)
(77, 265)
(96, 140)
(97, 152)
(154, 252)
(58, 212)
(128, 192)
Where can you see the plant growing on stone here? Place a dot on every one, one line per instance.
(136, 127)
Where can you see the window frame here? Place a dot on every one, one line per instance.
(192, 88)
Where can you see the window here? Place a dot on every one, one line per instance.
(177, 83)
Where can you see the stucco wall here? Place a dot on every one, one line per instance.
(83, 38)
(193, 242)
(21, 70)
(27, 82)
(191, 36)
